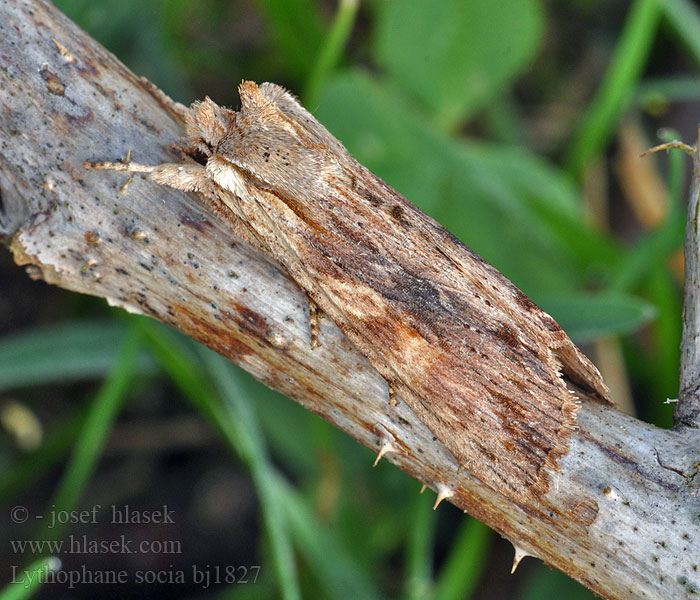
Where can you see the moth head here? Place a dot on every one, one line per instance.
(206, 124)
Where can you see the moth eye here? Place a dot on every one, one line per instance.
(204, 147)
(200, 151)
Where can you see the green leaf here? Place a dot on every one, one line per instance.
(420, 545)
(30, 579)
(338, 575)
(95, 430)
(649, 253)
(454, 55)
(617, 88)
(297, 30)
(66, 352)
(243, 424)
(466, 562)
(587, 316)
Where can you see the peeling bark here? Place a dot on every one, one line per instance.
(622, 515)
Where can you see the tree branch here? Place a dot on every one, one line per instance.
(687, 409)
(622, 516)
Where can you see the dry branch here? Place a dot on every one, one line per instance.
(623, 514)
(687, 409)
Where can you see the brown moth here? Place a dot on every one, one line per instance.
(487, 371)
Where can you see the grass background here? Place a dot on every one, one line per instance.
(518, 124)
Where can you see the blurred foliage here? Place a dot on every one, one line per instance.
(493, 117)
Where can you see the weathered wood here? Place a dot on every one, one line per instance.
(623, 514)
(687, 409)
(486, 369)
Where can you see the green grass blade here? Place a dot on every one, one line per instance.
(332, 566)
(67, 352)
(297, 30)
(245, 429)
(419, 548)
(93, 435)
(331, 51)
(661, 370)
(665, 90)
(586, 317)
(465, 564)
(237, 424)
(617, 87)
(684, 17)
(178, 362)
(335, 570)
(649, 253)
(27, 584)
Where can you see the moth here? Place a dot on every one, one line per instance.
(485, 369)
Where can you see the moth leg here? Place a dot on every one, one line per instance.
(189, 177)
(393, 400)
(313, 321)
(126, 160)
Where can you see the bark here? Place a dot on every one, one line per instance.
(623, 513)
(687, 409)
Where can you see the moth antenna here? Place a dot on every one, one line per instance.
(120, 166)
(443, 493)
(520, 553)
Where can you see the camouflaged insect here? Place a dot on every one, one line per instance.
(487, 371)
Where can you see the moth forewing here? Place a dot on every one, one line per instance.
(480, 364)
